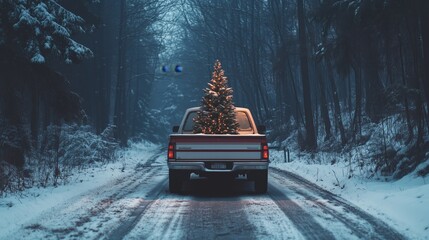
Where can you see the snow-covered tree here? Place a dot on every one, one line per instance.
(217, 114)
(39, 28)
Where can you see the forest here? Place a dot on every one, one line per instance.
(82, 78)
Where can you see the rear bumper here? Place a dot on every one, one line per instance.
(201, 167)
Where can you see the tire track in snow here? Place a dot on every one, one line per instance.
(373, 229)
(320, 208)
(130, 184)
(92, 205)
(162, 219)
(268, 220)
(216, 210)
(302, 220)
(136, 215)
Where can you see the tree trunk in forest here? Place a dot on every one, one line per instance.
(356, 126)
(120, 103)
(310, 141)
(103, 80)
(374, 88)
(259, 61)
(324, 110)
(337, 109)
(298, 116)
(323, 103)
(424, 24)
(407, 111)
(414, 34)
(34, 123)
(349, 95)
(279, 76)
(284, 93)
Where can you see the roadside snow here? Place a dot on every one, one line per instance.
(403, 204)
(18, 209)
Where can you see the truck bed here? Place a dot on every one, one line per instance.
(217, 147)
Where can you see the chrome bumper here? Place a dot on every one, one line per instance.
(200, 166)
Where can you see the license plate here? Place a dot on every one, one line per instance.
(218, 166)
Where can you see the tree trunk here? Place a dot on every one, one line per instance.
(424, 24)
(103, 80)
(414, 34)
(337, 109)
(323, 104)
(310, 141)
(374, 88)
(120, 103)
(358, 102)
(299, 117)
(324, 110)
(407, 111)
(34, 124)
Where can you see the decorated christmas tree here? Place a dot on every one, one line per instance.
(216, 115)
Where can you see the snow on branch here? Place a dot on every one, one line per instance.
(44, 28)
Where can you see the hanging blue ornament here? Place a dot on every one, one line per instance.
(165, 68)
(178, 68)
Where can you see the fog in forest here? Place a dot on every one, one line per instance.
(80, 78)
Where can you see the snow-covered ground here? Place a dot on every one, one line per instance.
(18, 210)
(120, 193)
(403, 204)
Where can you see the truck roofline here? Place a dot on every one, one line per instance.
(235, 109)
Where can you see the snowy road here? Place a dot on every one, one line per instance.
(139, 206)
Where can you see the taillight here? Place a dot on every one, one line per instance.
(170, 151)
(265, 153)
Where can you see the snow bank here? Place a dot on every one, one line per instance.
(17, 209)
(403, 204)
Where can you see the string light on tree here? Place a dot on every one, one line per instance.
(217, 114)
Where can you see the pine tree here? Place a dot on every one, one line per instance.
(38, 29)
(217, 114)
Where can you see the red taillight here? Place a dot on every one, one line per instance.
(170, 151)
(265, 154)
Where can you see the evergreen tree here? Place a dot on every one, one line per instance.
(32, 95)
(37, 29)
(217, 114)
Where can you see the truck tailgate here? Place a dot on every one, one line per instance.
(201, 147)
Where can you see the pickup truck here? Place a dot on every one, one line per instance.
(218, 155)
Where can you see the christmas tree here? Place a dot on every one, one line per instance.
(217, 115)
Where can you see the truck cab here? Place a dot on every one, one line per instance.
(218, 155)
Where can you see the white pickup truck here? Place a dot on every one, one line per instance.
(224, 155)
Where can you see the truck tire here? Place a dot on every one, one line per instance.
(261, 181)
(175, 180)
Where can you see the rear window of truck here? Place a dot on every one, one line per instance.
(189, 123)
(242, 119)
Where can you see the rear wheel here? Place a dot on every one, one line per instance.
(175, 180)
(261, 181)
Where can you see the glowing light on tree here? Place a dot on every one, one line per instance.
(217, 114)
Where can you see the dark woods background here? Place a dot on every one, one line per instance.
(326, 75)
